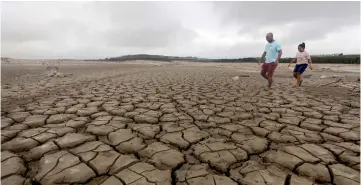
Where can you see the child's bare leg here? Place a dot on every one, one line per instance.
(295, 75)
(298, 79)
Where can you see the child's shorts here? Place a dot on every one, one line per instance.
(300, 68)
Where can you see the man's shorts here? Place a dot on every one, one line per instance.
(300, 68)
(269, 68)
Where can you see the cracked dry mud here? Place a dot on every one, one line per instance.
(181, 126)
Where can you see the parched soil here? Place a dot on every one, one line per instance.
(145, 124)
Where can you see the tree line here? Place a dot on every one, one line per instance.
(330, 59)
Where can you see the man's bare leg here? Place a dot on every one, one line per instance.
(270, 81)
(270, 73)
(264, 76)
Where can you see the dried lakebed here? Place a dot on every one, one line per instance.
(182, 126)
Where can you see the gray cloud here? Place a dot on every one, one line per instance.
(275, 13)
(204, 29)
(161, 36)
(306, 20)
(239, 50)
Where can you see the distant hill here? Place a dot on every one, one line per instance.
(335, 58)
(164, 58)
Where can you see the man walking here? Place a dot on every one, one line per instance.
(272, 54)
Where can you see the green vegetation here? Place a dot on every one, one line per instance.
(330, 59)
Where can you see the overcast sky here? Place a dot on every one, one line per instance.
(203, 29)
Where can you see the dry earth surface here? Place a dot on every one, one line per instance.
(141, 123)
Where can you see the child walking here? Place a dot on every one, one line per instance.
(302, 60)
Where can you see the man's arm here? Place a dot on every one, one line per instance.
(279, 49)
(262, 57)
(279, 55)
